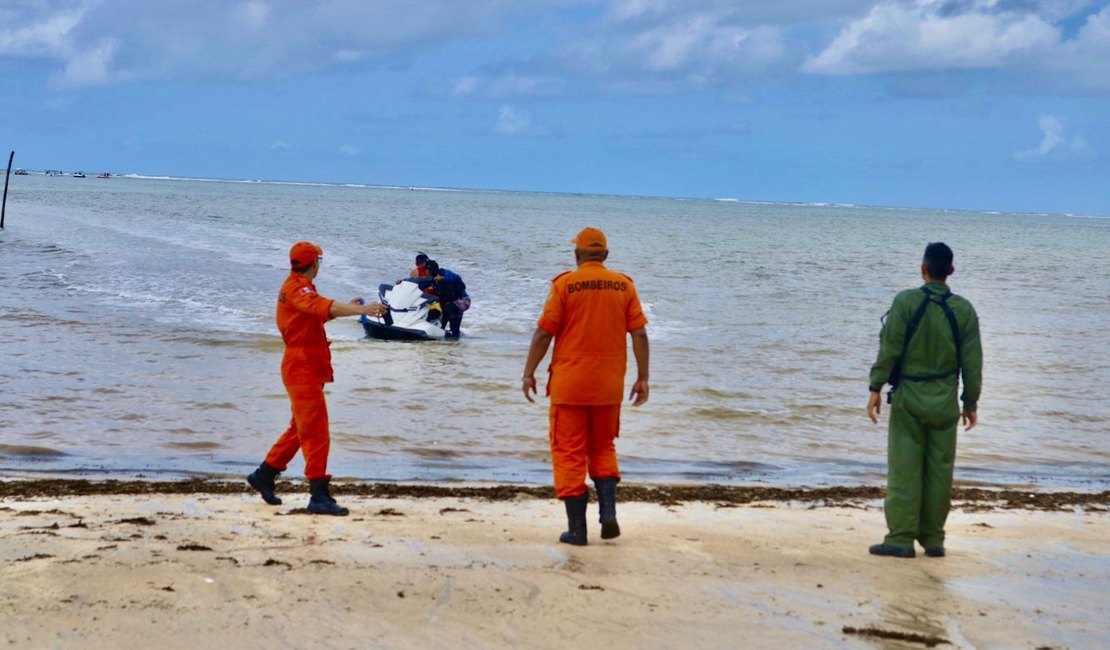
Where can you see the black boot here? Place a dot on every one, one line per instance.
(262, 479)
(607, 505)
(321, 502)
(576, 520)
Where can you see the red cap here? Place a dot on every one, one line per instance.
(591, 238)
(304, 253)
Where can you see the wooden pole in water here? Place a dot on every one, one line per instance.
(4, 204)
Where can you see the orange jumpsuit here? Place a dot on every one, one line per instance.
(305, 368)
(590, 312)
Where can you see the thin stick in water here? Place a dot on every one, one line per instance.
(4, 204)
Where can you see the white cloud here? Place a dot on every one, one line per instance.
(350, 150)
(641, 42)
(507, 84)
(1084, 62)
(93, 66)
(1053, 141)
(935, 35)
(512, 121)
(635, 9)
(615, 45)
(465, 86)
(38, 35)
(698, 41)
(1024, 42)
(280, 145)
(350, 56)
(253, 16)
(755, 13)
(221, 39)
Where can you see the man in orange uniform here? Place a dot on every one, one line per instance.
(589, 313)
(305, 368)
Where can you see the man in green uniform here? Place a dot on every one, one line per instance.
(929, 338)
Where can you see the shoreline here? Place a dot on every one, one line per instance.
(973, 498)
(115, 564)
(443, 467)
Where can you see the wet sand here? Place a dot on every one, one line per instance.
(200, 563)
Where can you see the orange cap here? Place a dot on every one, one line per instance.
(304, 253)
(591, 238)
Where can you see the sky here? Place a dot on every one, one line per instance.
(963, 104)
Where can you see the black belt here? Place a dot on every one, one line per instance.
(939, 375)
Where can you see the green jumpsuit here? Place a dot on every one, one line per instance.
(921, 443)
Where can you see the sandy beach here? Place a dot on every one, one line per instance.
(188, 565)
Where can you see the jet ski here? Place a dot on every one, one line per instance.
(413, 315)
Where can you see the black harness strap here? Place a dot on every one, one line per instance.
(911, 328)
(941, 300)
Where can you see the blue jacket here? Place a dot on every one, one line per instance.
(451, 287)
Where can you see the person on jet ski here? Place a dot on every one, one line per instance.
(453, 298)
(419, 271)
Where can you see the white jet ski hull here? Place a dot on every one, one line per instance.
(413, 315)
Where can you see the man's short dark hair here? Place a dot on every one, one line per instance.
(432, 268)
(421, 258)
(938, 260)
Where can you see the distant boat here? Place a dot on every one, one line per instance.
(78, 174)
(103, 175)
(21, 172)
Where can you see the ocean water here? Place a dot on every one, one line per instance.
(137, 332)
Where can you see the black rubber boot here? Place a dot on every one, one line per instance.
(893, 551)
(576, 520)
(321, 502)
(262, 479)
(607, 506)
